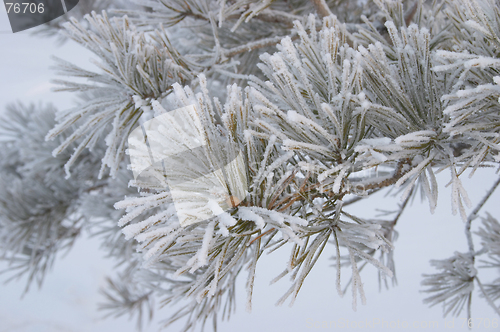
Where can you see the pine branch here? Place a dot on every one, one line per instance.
(275, 154)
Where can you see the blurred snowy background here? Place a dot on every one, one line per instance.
(70, 294)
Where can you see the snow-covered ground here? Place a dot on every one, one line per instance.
(68, 299)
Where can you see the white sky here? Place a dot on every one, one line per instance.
(68, 299)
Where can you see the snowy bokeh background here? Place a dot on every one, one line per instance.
(70, 294)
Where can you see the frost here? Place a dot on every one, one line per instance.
(195, 148)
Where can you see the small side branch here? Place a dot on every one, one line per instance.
(473, 214)
(486, 296)
(401, 209)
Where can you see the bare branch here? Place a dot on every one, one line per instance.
(473, 214)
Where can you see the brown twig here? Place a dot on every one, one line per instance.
(255, 45)
(410, 14)
(287, 201)
(321, 8)
(392, 180)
